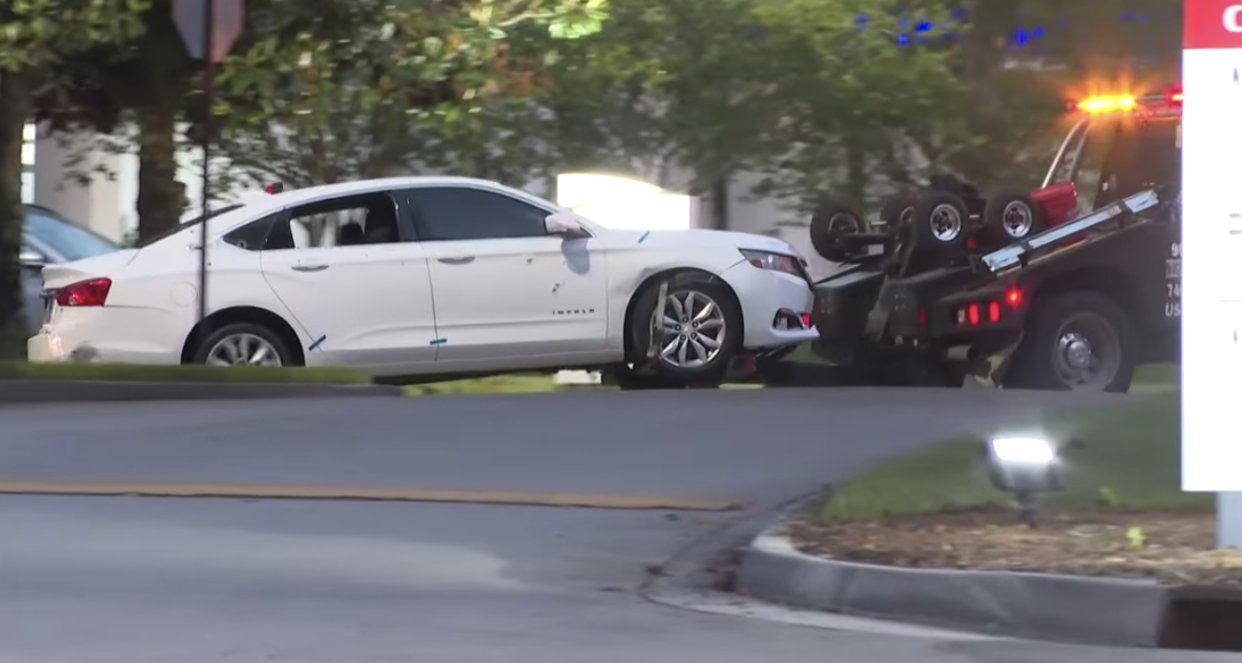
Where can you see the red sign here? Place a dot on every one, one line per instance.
(1212, 24)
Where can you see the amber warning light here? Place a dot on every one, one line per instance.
(1170, 102)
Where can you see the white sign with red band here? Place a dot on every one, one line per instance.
(1212, 246)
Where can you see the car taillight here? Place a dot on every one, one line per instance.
(93, 292)
(994, 313)
(972, 314)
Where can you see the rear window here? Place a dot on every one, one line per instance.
(187, 224)
(1122, 158)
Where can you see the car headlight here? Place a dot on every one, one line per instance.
(775, 261)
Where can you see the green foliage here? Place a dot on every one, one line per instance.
(405, 85)
(34, 33)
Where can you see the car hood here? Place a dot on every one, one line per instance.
(697, 237)
(62, 274)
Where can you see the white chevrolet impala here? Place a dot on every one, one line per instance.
(408, 278)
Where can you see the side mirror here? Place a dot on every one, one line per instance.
(563, 225)
(30, 258)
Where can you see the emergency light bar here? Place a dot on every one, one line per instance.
(1168, 102)
(1012, 255)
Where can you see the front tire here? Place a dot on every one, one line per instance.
(243, 344)
(1075, 341)
(696, 335)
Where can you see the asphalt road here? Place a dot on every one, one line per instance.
(144, 579)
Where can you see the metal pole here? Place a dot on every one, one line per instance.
(1229, 520)
(208, 99)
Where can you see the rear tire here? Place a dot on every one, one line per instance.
(243, 344)
(1010, 216)
(898, 210)
(696, 344)
(1075, 341)
(831, 220)
(939, 221)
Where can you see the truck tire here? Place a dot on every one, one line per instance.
(831, 220)
(1010, 216)
(939, 220)
(1075, 341)
(898, 210)
(709, 334)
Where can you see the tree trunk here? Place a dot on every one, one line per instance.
(14, 113)
(159, 199)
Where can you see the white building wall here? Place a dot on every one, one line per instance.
(106, 204)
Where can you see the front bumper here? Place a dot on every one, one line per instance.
(771, 301)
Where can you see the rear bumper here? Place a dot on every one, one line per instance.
(106, 335)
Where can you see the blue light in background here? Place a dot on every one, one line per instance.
(1021, 36)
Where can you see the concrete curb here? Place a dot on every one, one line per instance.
(1095, 611)
(103, 391)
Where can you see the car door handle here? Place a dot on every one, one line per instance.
(309, 268)
(457, 260)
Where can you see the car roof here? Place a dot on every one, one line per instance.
(296, 196)
(277, 201)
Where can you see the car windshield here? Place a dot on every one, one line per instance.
(186, 224)
(69, 240)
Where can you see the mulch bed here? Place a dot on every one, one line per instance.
(1171, 547)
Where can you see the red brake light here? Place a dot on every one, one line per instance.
(922, 318)
(84, 293)
(972, 313)
(274, 188)
(994, 312)
(1013, 297)
(806, 320)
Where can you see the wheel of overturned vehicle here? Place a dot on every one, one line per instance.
(693, 332)
(1075, 341)
(897, 211)
(1010, 216)
(939, 221)
(829, 222)
(243, 344)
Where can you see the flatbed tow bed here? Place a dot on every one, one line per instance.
(1076, 294)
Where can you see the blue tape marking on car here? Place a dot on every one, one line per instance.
(439, 341)
(643, 237)
(318, 342)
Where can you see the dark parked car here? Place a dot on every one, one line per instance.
(50, 238)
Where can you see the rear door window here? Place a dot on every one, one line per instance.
(1143, 155)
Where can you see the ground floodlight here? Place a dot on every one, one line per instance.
(1026, 467)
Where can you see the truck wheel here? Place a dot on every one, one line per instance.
(1075, 341)
(1010, 216)
(898, 210)
(939, 220)
(831, 220)
(699, 331)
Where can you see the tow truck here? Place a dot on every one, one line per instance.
(1075, 306)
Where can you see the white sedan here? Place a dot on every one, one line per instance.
(407, 278)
